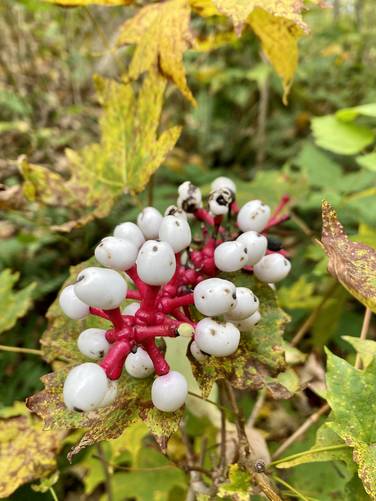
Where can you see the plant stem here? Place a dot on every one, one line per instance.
(222, 460)
(363, 335)
(53, 494)
(290, 488)
(16, 349)
(307, 453)
(256, 408)
(106, 471)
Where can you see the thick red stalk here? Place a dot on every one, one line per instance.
(134, 294)
(116, 317)
(98, 312)
(161, 367)
(170, 304)
(143, 332)
(113, 362)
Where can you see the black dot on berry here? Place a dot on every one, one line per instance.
(234, 295)
(155, 248)
(80, 277)
(77, 409)
(101, 353)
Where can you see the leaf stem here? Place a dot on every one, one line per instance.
(290, 488)
(106, 471)
(363, 335)
(53, 494)
(16, 349)
(307, 453)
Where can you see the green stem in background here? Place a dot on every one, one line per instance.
(16, 349)
(53, 494)
(307, 453)
(292, 489)
(106, 471)
(363, 335)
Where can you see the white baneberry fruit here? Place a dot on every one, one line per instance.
(93, 343)
(149, 221)
(220, 200)
(223, 182)
(231, 256)
(214, 296)
(173, 210)
(131, 232)
(139, 364)
(85, 387)
(156, 263)
(116, 253)
(217, 338)
(101, 287)
(247, 324)
(190, 197)
(175, 231)
(169, 392)
(71, 305)
(110, 395)
(131, 309)
(272, 268)
(256, 245)
(197, 354)
(246, 304)
(253, 216)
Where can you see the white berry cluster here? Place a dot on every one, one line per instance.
(169, 275)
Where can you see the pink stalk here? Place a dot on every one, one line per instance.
(134, 294)
(276, 221)
(204, 216)
(141, 286)
(116, 317)
(145, 332)
(234, 208)
(113, 362)
(179, 315)
(98, 312)
(169, 304)
(161, 367)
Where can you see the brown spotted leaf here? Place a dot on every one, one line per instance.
(353, 264)
(132, 404)
(161, 34)
(27, 451)
(260, 354)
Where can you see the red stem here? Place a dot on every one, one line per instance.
(203, 215)
(161, 367)
(98, 312)
(134, 294)
(179, 315)
(170, 304)
(143, 332)
(276, 221)
(113, 362)
(116, 317)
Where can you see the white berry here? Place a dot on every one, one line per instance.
(131, 232)
(110, 395)
(116, 253)
(197, 354)
(253, 216)
(71, 305)
(85, 387)
(223, 182)
(149, 221)
(231, 256)
(190, 198)
(131, 309)
(139, 364)
(256, 245)
(93, 343)
(156, 263)
(173, 210)
(220, 200)
(175, 231)
(169, 392)
(247, 324)
(246, 304)
(101, 287)
(217, 338)
(272, 268)
(214, 296)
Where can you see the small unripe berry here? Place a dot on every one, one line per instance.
(175, 231)
(197, 354)
(253, 216)
(272, 268)
(93, 343)
(131, 232)
(101, 287)
(85, 387)
(217, 338)
(214, 296)
(116, 253)
(149, 221)
(246, 304)
(71, 305)
(169, 392)
(230, 256)
(256, 245)
(139, 364)
(156, 263)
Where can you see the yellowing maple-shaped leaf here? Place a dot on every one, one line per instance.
(239, 10)
(161, 32)
(27, 452)
(352, 263)
(129, 152)
(80, 3)
(279, 37)
(13, 304)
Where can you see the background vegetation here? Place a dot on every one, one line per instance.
(312, 148)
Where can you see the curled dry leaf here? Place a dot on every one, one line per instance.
(353, 264)
(11, 198)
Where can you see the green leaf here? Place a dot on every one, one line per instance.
(238, 485)
(319, 168)
(351, 394)
(367, 161)
(80, 3)
(349, 114)
(260, 352)
(300, 295)
(365, 347)
(13, 304)
(341, 137)
(59, 346)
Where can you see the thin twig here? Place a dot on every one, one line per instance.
(363, 335)
(222, 460)
(196, 395)
(290, 488)
(301, 430)
(106, 471)
(308, 452)
(256, 408)
(53, 494)
(310, 320)
(16, 349)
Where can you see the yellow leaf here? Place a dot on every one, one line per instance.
(27, 452)
(80, 3)
(239, 10)
(161, 32)
(279, 37)
(353, 264)
(204, 8)
(129, 152)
